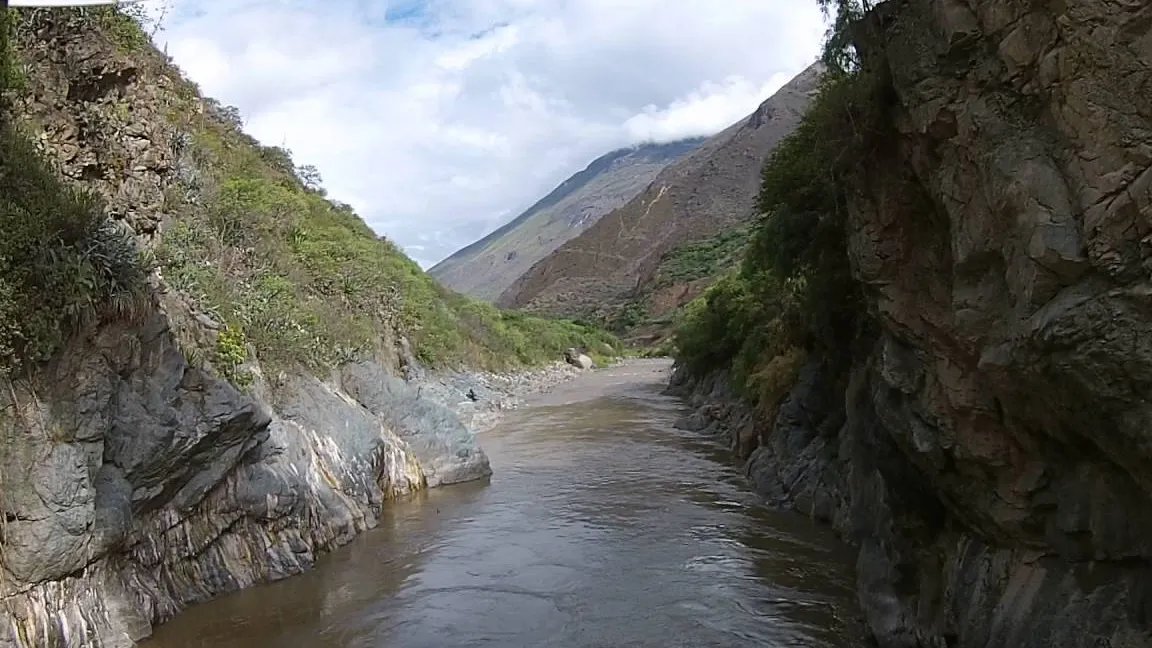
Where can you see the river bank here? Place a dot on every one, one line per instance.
(151, 485)
(481, 398)
(601, 525)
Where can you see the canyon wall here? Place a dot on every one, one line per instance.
(990, 454)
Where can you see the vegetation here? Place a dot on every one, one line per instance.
(63, 263)
(662, 349)
(793, 295)
(10, 74)
(845, 15)
(632, 314)
(124, 26)
(292, 277)
(303, 280)
(703, 259)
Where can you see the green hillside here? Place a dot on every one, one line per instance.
(289, 275)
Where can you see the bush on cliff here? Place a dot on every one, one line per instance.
(63, 263)
(794, 293)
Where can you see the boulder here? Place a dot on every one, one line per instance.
(577, 359)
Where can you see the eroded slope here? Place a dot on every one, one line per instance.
(709, 191)
(487, 267)
(220, 410)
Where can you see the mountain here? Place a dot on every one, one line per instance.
(487, 267)
(706, 193)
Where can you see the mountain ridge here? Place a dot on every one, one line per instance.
(708, 191)
(485, 268)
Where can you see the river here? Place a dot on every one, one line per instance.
(602, 526)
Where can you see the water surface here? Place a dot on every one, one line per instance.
(602, 526)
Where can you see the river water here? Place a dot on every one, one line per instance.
(603, 526)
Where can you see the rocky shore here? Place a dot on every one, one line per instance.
(790, 459)
(137, 484)
(479, 398)
(151, 462)
(985, 443)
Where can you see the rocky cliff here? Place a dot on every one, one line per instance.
(707, 192)
(247, 413)
(989, 450)
(487, 267)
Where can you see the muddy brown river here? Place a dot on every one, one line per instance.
(603, 526)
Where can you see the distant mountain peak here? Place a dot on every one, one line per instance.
(705, 193)
(488, 266)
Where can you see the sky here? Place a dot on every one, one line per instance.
(440, 120)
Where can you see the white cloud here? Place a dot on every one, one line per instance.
(440, 119)
(710, 109)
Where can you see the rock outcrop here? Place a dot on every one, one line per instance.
(134, 484)
(991, 454)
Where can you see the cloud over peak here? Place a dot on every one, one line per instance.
(439, 119)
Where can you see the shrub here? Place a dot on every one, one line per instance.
(124, 26)
(793, 294)
(63, 264)
(803, 197)
(231, 353)
(702, 259)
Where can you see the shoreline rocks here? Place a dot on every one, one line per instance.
(135, 485)
(988, 448)
(480, 398)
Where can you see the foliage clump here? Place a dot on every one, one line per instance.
(231, 353)
(793, 295)
(703, 259)
(124, 26)
(63, 264)
(840, 54)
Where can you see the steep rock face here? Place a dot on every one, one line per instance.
(709, 191)
(487, 267)
(135, 485)
(991, 454)
(134, 482)
(1005, 251)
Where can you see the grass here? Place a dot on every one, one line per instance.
(63, 264)
(300, 279)
(305, 281)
